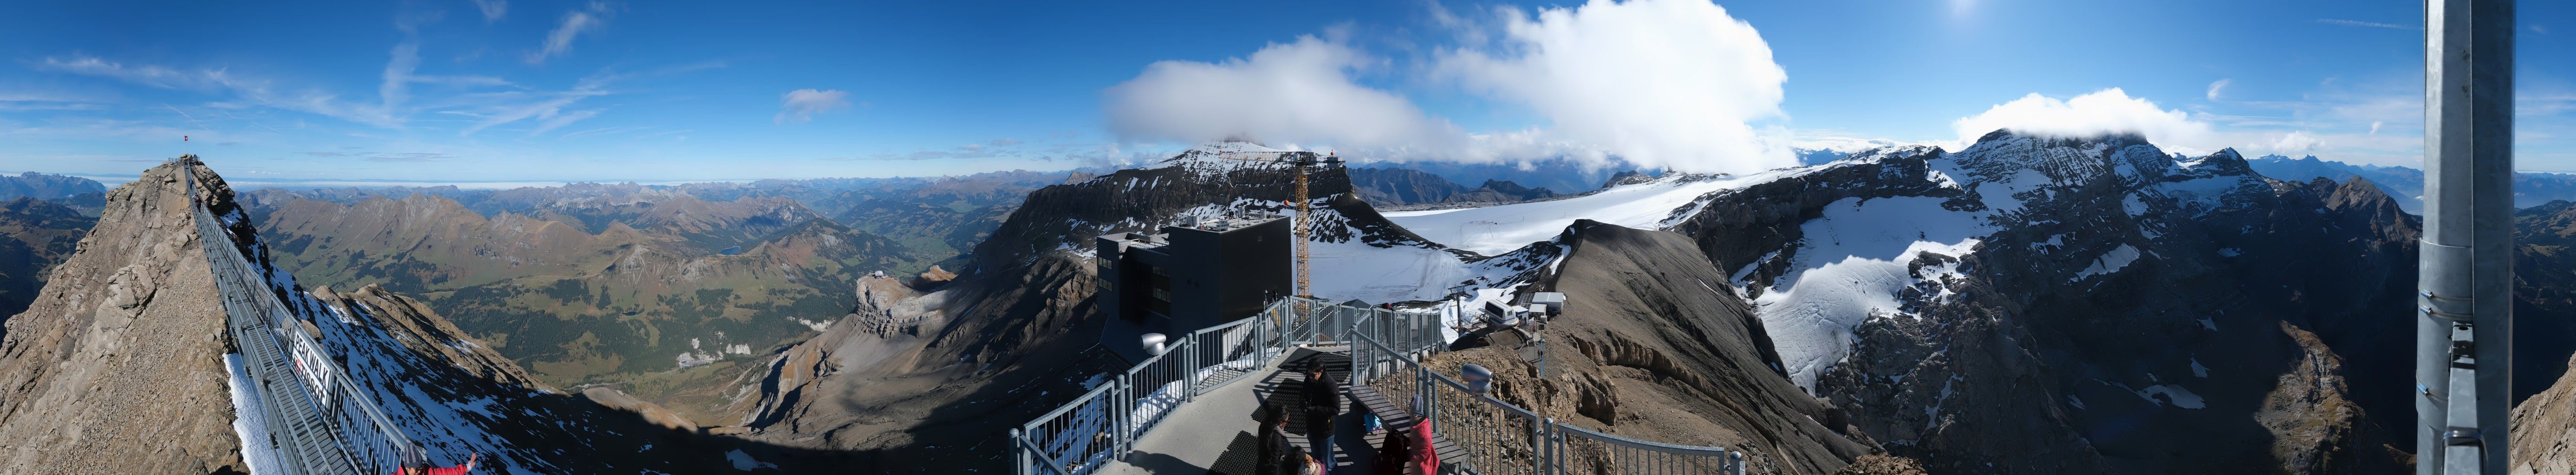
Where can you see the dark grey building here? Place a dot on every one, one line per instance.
(1190, 277)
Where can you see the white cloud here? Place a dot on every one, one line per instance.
(800, 105)
(492, 9)
(2297, 141)
(1660, 83)
(574, 24)
(2111, 111)
(1836, 142)
(2215, 86)
(1299, 92)
(2101, 112)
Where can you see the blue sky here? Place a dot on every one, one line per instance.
(524, 90)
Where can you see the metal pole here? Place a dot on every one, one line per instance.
(2463, 330)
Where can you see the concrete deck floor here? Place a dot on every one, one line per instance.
(1216, 433)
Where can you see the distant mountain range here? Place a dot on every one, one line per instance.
(1399, 186)
(1564, 176)
(46, 187)
(2407, 184)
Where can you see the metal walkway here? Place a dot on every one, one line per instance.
(318, 422)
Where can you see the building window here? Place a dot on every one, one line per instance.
(1161, 283)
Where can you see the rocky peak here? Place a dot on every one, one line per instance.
(117, 365)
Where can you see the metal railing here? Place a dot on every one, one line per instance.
(1578, 450)
(1075, 439)
(1230, 351)
(1085, 434)
(318, 420)
(1501, 438)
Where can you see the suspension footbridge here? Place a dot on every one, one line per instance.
(306, 417)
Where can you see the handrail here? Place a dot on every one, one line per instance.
(1646, 444)
(1150, 390)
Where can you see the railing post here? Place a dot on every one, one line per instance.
(1020, 453)
(1189, 373)
(1120, 409)
(1541, 451)
(1430, 392)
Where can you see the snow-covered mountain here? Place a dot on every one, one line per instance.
(2048, 304)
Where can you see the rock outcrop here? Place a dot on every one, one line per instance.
(2544, 431)
(117, 366)
(1650, 347)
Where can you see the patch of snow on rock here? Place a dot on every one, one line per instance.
(1851, 265)
(2113, 261)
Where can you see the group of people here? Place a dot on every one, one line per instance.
(1322, 402)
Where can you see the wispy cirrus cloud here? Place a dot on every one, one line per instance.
(559, 41)
(802, 104)
(384, 156)
(492, 10)
(503, 107)
(2371, 24)
(258, 92)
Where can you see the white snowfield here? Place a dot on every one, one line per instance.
(1498, 229)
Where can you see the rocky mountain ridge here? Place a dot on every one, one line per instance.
(623, 304)
(120, 367)
(2100, 281)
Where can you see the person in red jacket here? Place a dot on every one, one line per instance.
(1426, 459)
(416, 462)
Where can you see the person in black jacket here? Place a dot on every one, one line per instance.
(1274, 440)
(1323, 403)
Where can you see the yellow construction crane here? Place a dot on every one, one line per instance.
(1298, 161)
